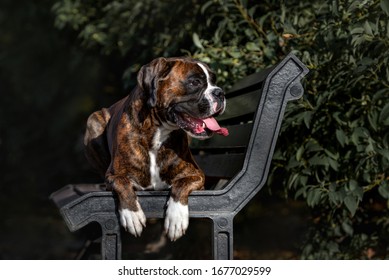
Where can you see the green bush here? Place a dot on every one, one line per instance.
(333, 151)
(136, 30)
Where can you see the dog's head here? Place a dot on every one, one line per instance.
(183, 93)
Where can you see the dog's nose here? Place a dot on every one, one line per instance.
(218, 92)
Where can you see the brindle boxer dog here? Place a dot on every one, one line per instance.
(141, 142)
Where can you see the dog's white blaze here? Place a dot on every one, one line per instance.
(209, 89)
(133, 221)
(177, 219)
(206, 75)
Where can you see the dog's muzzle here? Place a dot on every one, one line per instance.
(199, 127)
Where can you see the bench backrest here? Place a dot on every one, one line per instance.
(222, 157)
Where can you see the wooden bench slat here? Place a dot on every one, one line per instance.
(242, 105)
(249, 81)
(220, 165)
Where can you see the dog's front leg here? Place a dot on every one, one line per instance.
(177, 212)
(131, 214)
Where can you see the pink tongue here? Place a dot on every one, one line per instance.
(212, 124)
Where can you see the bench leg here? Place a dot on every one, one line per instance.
(111, 244)
(222, 237)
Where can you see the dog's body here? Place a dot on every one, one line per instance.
(141, 142)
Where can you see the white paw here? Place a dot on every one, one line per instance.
(133, 221)
(176, 220)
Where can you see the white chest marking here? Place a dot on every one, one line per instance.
(156, 182)
(160, 136)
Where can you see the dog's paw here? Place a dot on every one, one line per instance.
(176, 220)
(133, 221)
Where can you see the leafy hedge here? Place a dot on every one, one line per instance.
(136, 30)
(334, 148)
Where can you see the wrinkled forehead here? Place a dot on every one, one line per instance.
(185, 69)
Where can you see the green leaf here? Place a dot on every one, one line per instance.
(313, 146)
(387, 29)
(351, 203)
(303, 180)
(385, 6)
(307, 118)
(334, 164)
(384, 115)
(357, 30)
(301, 192)
(383, 189)
(292, 179)
(335, 197)
(336, 116)
(252, 11)
(384, 153)
(300, 152)
(341, 137)
(331, 154)
(196, 41)
(347, 228)
(358, 192)
(313, 196)
(353, 184)
(373, 119)
(292, 163)
(318, 160)
(359, 133)
(251, 46)
(206, 6)
(367, 28)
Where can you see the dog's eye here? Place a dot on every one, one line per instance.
(195, 83)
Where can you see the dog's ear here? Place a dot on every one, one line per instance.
(149, 76)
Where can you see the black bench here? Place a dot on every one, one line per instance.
(255, 108)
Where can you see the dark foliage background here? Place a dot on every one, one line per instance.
(60, 60)
(46, 89)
